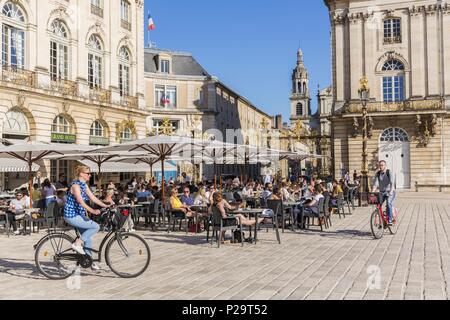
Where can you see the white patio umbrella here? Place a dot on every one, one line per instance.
(33, 151)
(94, 157)
(161, 147)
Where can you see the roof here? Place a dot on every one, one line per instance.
(183, 63)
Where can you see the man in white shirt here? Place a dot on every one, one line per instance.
(267, 179)
(15, 207)
(186, 178)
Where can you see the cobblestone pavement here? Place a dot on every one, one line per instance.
(335, 264)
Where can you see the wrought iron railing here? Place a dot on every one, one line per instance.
(410, 105)
(126, 25)
(100, 95)
(129, 101)
(392, 40)
(97, 10)
(65, 87)
(18, 76)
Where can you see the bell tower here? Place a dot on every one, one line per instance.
(300, 97)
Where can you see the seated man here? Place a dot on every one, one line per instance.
(186, 198)
(177, 205)
(16, 207)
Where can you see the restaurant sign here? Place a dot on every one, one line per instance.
(99, 141)
(64, 138)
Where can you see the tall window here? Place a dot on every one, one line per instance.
(299, 109)
(393, 81)
(59, 52)
(124, 71)
(165, 96)
(97, 7)
(61, 125)
(125, 10)
(13, 36)
(95, 63)
(16, 125)
(392, 31)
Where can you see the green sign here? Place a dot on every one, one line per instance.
(64, 137)
(99, 141)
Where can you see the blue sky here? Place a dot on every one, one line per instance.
(250, 45)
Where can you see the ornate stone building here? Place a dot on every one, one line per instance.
(403, 50)
(72, 72)
(184, 98)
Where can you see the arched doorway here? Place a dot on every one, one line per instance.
(395, 150)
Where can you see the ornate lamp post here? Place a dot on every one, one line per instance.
(364, 96)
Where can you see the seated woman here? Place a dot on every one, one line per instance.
(223, 205)
(177, 205)
(337, 189)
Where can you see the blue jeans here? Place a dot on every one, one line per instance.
(384, 196)
(87, 228)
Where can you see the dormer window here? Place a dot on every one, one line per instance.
(164, 66)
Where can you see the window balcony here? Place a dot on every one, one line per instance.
(392, 40)
(128, 101)
(65, 87)
(18, 76)
(126, 25)
(100, 95)
(97, 10)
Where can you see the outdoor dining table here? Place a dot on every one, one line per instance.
(249, 212)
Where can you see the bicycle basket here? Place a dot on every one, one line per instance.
(373, 199)
(118, 219)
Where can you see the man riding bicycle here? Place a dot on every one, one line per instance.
(385, 183)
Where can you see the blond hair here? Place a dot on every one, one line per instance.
(79, 169)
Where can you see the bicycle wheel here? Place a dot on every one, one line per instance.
(55, 258)
(393, 229)
(377, 224)
(128, 255)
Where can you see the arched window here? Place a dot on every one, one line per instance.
(15, 125)
(124, 71)
(394, 135)
(61, 125)
(126, 134)
(13, 36)
(299, 109)
(97, 129)
(13, 11)
(59, 51)
(393, 81)
(95, 62)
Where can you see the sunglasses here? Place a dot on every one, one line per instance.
(88, 173)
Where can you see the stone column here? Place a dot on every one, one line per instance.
(446, 51)
(417, 54)
(432, 52)
(356, 53)
(339, 56)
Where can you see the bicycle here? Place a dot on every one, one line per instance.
(126, 254)
(379, 220)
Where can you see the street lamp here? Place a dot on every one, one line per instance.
(364, 96)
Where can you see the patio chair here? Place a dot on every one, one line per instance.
(341, 205)
(277, 207)
(147, 212)
(220, 224)
(48, 216)
(5, 222)
(177, 215)
(327, 212)
(348, 200)
(308, 214)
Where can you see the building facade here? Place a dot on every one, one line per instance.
(185, 99)
(402, 49)
(72, 72)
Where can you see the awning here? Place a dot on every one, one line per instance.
(15, 165)
(117, 167)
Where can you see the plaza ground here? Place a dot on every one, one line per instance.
(335, 264)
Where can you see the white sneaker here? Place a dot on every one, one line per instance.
(132, 230)
(16, 233)
(78, 249)
(95, 267)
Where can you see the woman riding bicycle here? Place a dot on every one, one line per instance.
(76, 208)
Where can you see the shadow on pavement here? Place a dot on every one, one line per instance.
(180, 239)
(340, 234)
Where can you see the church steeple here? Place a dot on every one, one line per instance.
(300, 98)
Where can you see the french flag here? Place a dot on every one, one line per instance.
(151, 24)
